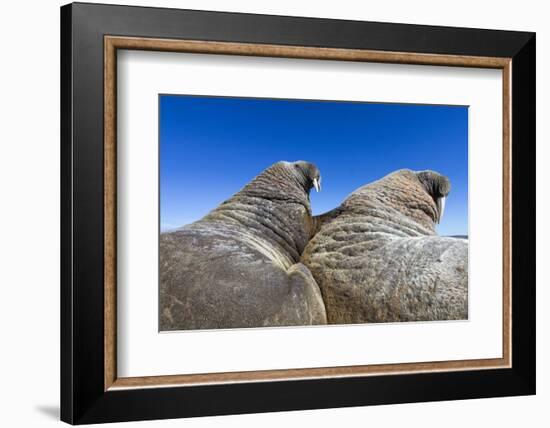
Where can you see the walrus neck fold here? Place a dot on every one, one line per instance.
(400, 199)
(275, 205)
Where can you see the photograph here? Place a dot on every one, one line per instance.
(295, 212)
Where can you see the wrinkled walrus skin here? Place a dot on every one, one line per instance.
(239, 265)
(377, 257)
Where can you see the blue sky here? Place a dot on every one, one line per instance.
(210, 147)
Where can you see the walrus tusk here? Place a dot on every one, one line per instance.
(317, 184)
(440, 208)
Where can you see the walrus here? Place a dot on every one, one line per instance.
(239, 266)
(378, 258)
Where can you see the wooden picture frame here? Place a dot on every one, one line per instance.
(91, 390)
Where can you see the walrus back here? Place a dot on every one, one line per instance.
(216, 275)
(391, 279)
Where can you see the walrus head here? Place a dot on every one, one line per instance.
(284, 181)
(308, 174)
(438, 187)
(418, 196)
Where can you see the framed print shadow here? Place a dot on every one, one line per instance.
(266, 213)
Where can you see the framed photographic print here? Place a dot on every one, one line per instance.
(265, 213)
